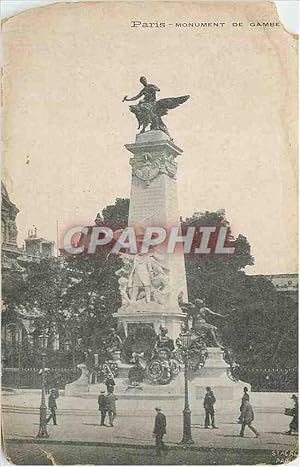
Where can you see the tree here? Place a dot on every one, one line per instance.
(115, 215)
(73, 297)
(93, 297)
(259, 317)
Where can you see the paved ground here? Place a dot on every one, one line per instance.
(45, 454)
(78, 424)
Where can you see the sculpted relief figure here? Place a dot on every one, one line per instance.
(160, 287)
(199, 324)
(142, 277)
(123, 275)
(163, 341)
(149, 111)
(145, 267)
(199, 314)
(147, 167)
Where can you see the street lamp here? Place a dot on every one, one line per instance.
(43, 339)
(185, 341)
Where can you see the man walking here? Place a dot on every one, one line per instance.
(52, 405)
(159, 431)
(208, 405)
(247, 417)
(102, 407)
(110, 403)
(244, 399)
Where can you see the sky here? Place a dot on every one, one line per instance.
(65, 73)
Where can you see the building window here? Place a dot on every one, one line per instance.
(3, 230)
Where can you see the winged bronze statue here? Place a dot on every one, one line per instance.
(149, 111)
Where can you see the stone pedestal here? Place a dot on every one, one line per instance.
(153, 202)
(153, 314)
(215, 374)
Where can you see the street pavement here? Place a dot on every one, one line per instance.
(45, 454)
(78, 425)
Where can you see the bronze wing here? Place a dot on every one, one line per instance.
(163, 105)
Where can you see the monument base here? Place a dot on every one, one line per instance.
(215, 374)
(153, 314)
(143, 391)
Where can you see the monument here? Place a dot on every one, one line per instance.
(150, 282)
(155, 312)
(153, 284)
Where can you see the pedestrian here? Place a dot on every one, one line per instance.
(110, 384)
(52, 406)
(244, 399)
(110, 403)
(294, 423)
(160, 429)
(247, 417)
(102, 407)
(209, 401)
(55, 390)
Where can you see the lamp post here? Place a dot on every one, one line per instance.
(43, 338)
(185, 340)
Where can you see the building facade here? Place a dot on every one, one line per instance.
(9, 233)
(14, 261)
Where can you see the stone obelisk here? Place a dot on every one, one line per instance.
(153, 203)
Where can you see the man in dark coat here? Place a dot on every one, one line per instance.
(52, 405)
(159, 431)
(208, 405)
(102, 407)
(245, 398)
(110, 403)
